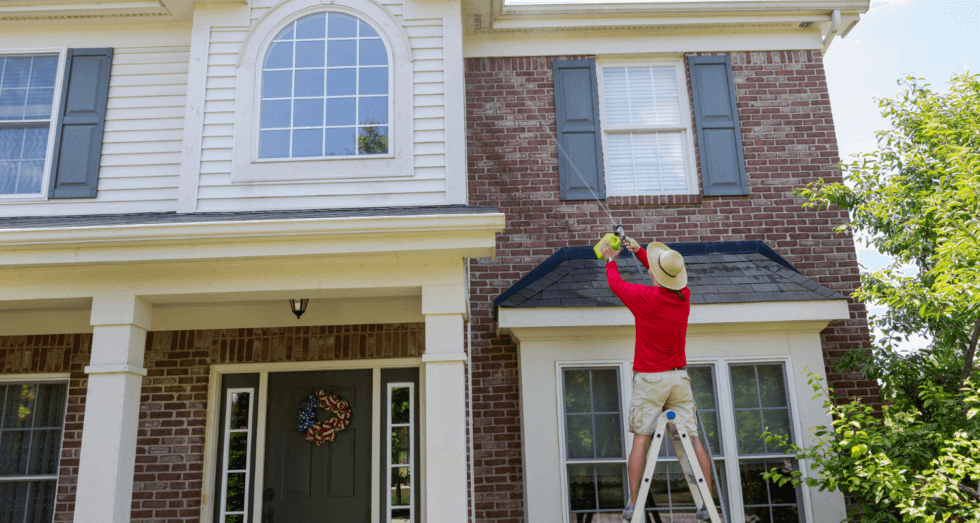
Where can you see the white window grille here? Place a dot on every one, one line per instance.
(237, 459)
(401, 453)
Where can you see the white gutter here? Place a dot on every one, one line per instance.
(834, 27)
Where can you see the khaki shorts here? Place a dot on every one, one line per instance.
(657, 392)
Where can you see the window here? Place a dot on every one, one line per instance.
(646, 127)
(760, 402)
(325, 90)
(236, 471)
(31, 425)
(27, 85)
(401, 434)
(596, 445)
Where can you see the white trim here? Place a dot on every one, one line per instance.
(248, 450)
(762, 316)
(260, 442)
(62, 53)
(399, 163)
(41, 377)
(376, 444)
(686, 127)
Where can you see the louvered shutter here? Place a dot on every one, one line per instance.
(577, 113)
(81, 121)
(716, 118)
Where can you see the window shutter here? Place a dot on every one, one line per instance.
(577, 114)
(81, 120)
(716, 118)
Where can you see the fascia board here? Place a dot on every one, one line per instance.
(547, 322)
(95, 9)
(470, 235)
(695, 8)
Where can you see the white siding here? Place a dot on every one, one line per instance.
(217, 192)
(142, 141)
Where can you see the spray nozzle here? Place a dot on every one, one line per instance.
(618, 231)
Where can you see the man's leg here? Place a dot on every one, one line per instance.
(704, 460)
(638, 461)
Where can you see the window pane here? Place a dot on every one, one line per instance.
(374, 80)
(17, 72)
(20, 406)
(236, 492)
(45, 450)
(373, 140)
(786, 515)
(605, 390)
(35, 143)
(372, 52)
(279, 84)
(366, 31)
(308, 112)
(287, 33)
(235, 518)
(275, 114)
(342, 26)
(373, 110)
(12, 103)
(400, 449)
(749, 426)
(307, 142)
(579, 436)
(785, 493)
(274, 144)
(309, 82)
(703, 386)
(15, 448)
(612, 482)
(755, 490)
(400, 402)
(757, 515)
(341, 82)
(39, 104)
(744, 387)
(280, 56)
(641, 95)
(31, 501)
(239, 410)
(581, 487)
(608, 436)
(401, 515)
(578, 397)
(777, 422)
(771, 385)
(8, 177)
(341, 111)
(45, 71)
(646, 163)
(237, 451)
(401, 486)
(312, 26)
(30, 177)
(342, 53)
(340, 142)
(309, 54)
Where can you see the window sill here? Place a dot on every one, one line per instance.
(14, 199)
(322, 169)
(658, 200)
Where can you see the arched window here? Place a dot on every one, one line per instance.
(325, 90)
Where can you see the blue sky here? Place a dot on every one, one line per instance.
(929, 39)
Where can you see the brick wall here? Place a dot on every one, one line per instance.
(173, 402)
(788, 140)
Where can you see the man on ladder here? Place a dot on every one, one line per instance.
(660, 380)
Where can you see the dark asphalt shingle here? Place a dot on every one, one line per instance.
(718, 272)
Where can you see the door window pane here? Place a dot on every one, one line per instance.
(593, 414)
(31, 425)
(236, 458)
(400, 459)
(324, 54)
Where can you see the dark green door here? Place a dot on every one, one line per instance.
(304, 482)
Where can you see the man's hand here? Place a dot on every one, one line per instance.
(632, 245)
(607, 251)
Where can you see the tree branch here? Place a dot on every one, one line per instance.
(970, 352)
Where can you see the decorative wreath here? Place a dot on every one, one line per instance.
(321, 431)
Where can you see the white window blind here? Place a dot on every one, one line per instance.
(644, 130)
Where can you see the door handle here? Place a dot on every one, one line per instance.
(267, 515)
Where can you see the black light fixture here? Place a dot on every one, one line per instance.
(298, 307)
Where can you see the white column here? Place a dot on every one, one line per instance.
(444, 422)
(115, 374)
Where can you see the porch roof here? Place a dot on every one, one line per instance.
(718, 272)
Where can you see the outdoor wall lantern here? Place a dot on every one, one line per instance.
(298, 307)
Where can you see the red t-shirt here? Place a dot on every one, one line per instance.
(661, 320)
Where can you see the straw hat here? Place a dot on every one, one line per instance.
(667, 266)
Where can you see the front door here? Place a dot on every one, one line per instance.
(306, 482)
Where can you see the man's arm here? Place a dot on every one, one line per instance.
(619, 287)
(638, 251)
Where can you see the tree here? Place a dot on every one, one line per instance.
(372, 140)
(916, 200)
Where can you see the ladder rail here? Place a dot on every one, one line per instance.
(699, 490)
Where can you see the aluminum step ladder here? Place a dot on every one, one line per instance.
(690, 467)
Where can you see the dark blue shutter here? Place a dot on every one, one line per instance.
(716, 118)
(577, 113)
(81, 120)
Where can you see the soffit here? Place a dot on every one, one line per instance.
(164, 10)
